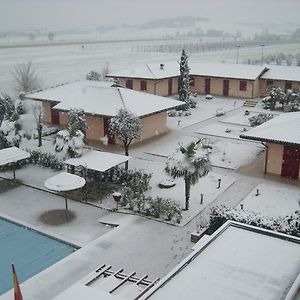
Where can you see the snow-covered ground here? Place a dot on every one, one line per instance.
(205, 109)
(273, 200)
(139, 241)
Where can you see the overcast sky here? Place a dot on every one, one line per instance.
(65, 14)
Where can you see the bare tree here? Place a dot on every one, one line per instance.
(26, 78)
(105, 70)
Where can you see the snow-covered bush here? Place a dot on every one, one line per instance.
(293, 99)
(178, 113)
(77, 118)
(7, 107)
(93, 75)
(136, 180)
(70, 142)
(156, 207)
(45, 160)
(260, 119)
(220, 214)
(20, 109)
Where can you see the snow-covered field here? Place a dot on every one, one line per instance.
(64, 63)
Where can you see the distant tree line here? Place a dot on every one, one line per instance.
(276, 58)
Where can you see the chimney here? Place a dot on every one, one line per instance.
(162, 66)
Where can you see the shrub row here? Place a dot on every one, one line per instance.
(288, 225)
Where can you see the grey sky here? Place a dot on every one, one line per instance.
(65, 14)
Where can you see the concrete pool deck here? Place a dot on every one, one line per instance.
(132, 245)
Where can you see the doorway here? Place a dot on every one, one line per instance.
(226, 87)
(290, 162)
(170, 87)
(207, 86)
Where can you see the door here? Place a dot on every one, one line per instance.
(207, 86)
(290, 162)
(54, 114)
(225, 87)
(170, 87)
(111, 140)
(287, 85)
(129, 83)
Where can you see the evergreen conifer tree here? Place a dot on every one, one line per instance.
(184, 81)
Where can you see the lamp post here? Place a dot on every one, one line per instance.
(262, 53)
(237, 53)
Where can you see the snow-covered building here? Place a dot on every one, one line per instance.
(220, 79)
(285, 77)
(237, 262)
(282, 140)
(100, 101)
(235, 80)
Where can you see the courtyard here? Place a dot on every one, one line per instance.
(128, 240)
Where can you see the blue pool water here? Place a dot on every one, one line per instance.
(30, 251)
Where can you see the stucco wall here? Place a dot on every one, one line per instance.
(296, 85)
(154, 125)
(256, 87)
(156, 87)
(274, 161)
(278, 83)
(63, 118)
(46, 112)
(263, 86)
(216, 87)
(95, 128)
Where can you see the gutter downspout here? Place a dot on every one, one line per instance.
(266, 156)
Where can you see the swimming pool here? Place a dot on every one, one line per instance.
(30, 251)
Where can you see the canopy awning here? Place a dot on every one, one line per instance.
(98, 161)
(12, 155)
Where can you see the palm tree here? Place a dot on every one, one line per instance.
(189, 163)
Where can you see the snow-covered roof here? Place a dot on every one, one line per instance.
(12, 154)
(103, 98)
(282, 129)
(99, 161)
(282, 73)
(64, 182)
(80, 291)
(238, 262)
(171, 69)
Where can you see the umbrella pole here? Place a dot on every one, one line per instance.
(14, 170)
(66, 202)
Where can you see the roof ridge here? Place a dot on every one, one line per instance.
(150, 71)
(122, 99)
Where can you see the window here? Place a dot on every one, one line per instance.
(270, 83)
(243, 85)
(192, 81)
(143, 85)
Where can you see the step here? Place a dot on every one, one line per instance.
(250, 103)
